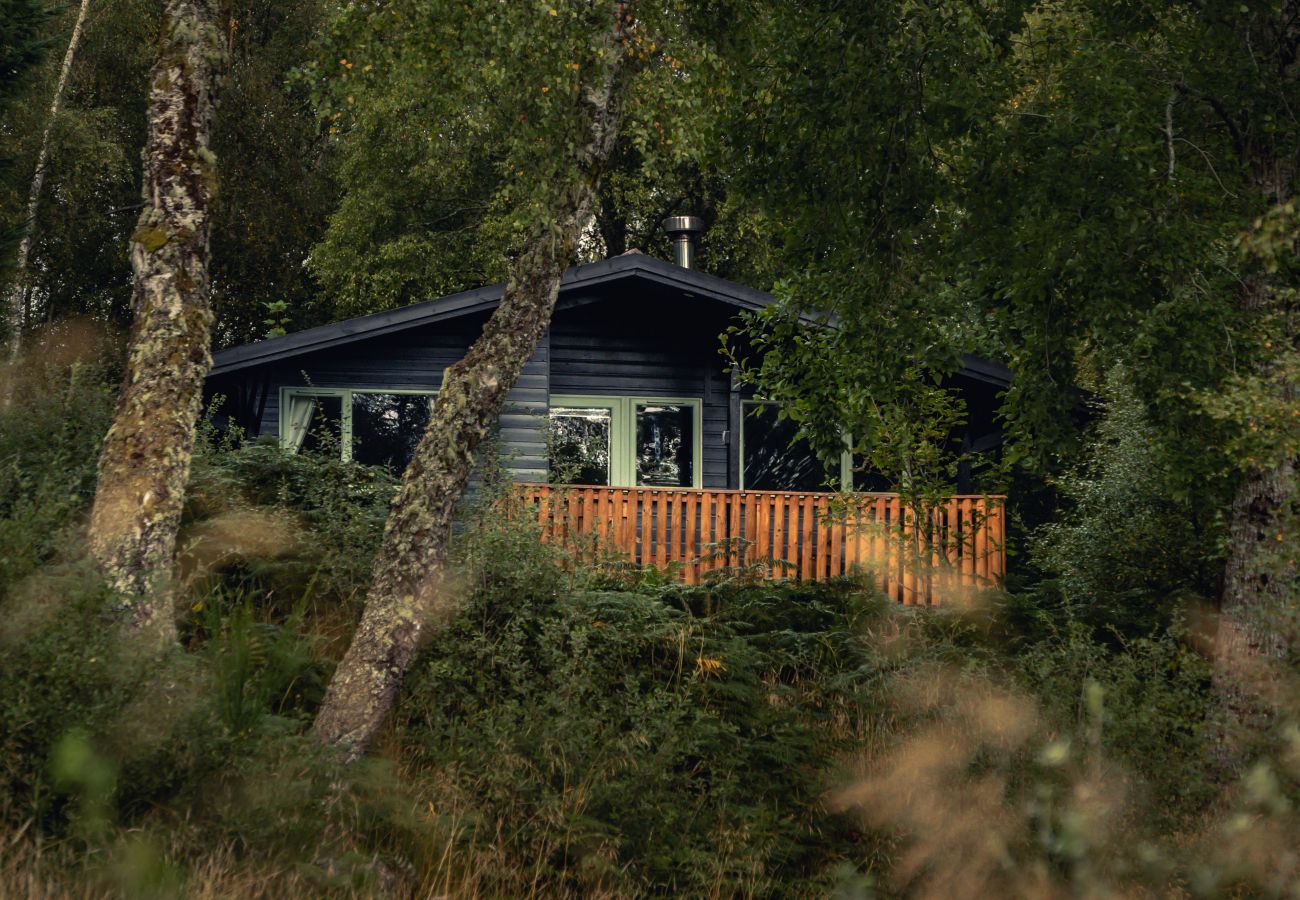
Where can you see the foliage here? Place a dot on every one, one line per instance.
(277, 175)
(275, 193)
(21, 48)
(49, 435)
(1130, 552)
(836, 111)
(633, 741)
(1155, 708)
(448, 165)
(79, 262)
(1058, 184)
(323, 516)
(1083, 775)
(23, 44)
(1258, 406)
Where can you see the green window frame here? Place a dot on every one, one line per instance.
(622, 451)
(292, 434)
(846, 457)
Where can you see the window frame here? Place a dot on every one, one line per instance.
(345, 423)
(622, 426)
(846, 457)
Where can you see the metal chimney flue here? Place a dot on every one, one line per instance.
(685, 231)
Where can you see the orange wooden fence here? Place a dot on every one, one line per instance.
(782, 534)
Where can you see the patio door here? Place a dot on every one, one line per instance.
(625, 441)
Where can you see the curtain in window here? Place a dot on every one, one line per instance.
(301, 408)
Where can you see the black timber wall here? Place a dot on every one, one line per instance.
(409, 360)
(655, 346)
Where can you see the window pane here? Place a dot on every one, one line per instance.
(772, 462)
(580, 439)
(325, 433)
(665, 445)
(387, 427)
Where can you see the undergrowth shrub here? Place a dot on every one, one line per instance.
(50, 434)
(146, 764)
(65, 672)
(334, 511)
(1073, 769)
(1133, 550)
(1156, 711)
(664, 739)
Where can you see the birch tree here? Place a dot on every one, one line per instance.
(146, 456)
(558, 85)
(16, 302)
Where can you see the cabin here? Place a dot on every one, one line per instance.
(625, 425)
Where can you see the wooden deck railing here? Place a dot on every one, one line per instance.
(959, 548)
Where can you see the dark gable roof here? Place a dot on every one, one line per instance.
(690, 282)
(630, 265)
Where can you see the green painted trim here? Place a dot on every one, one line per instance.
(622, 455)
(846, 458)
(846, 465)
(345, 426)
(697, 421)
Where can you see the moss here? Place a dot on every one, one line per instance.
(150, 238)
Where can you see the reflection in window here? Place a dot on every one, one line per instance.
(386, 428)
(665, 443)
(322, 424)
(371, 427)
(773, 459)
(580, 445)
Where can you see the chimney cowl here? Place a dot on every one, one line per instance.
(685, 231)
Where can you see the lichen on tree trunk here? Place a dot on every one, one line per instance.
(406, 594)
(145, 460)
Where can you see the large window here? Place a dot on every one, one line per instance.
(630, 441)
(375, 427)
(774, 457)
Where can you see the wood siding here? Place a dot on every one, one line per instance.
(957, 550)
(416, 360)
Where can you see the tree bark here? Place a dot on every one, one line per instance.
(145, 460)
(1254, 621)
(1259, 584)
(407, 592)
(16, 304)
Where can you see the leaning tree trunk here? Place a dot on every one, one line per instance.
(16, 303)
(407, 591)
(145, 460)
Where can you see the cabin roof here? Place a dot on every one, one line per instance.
(573, 287)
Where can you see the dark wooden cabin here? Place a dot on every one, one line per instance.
(632, 353)
(626, 390)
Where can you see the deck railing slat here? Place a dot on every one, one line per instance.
(959, 545)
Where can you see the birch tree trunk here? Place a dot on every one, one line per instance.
(407, 594)
(145, 460)
(16, 302)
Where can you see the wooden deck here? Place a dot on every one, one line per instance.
(957, 550)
